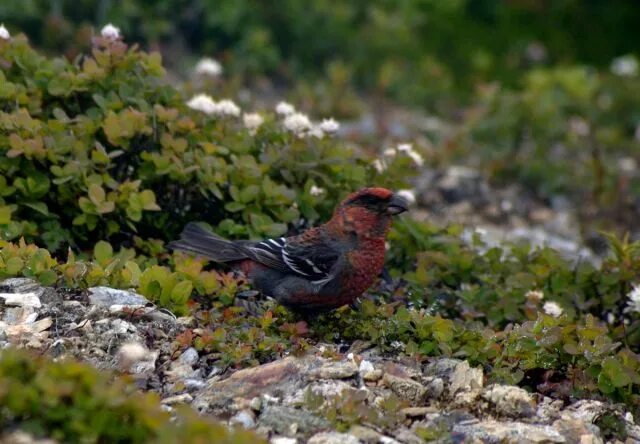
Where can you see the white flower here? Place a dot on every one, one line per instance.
(4, 33)
(633, 304)
(202, 103)
(534, 295)
(379, 165)
(390, 152)
(208, 67)
(416, 157)
(285, 109)
(316, 191)
(329, 126)
(252, 121)
(625, 66)
(407, 149)
(552, 309)
(297, 123)
(110, 32)
(227, 108)
(316, 132)
(408, 195)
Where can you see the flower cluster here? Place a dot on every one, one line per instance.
(110, 32)
(405, 149)
(300, 124)
(205, 104)
(208, 67)
(4, 33)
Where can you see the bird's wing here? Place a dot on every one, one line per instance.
(312, 259)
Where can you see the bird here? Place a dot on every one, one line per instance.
(324, 267)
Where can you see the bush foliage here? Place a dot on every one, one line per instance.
(72, 402)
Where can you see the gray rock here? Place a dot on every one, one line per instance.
(106, 297)
(245, 418)
(20, 285)
(405, 388)
(510, 400)
(333, 438)
(365, 434)
(189, 356)
(577, 431)
(289, 421)
(497, 432)
(457, 375)
(336, 370)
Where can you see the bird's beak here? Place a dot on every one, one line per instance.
(397, 205)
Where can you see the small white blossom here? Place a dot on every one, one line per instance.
(625, 66)
(4, 33)
(409, 195)
(227, 108)
(202, 103)
(633, 304)
(252, 121)
(379, 165)
(552, 309)
(405, 147)
(534, 295)
(611, 318)
(316, 191)
(297, 123)
(329, 126)
(208, 67)
(110, 32)
(390, 152)
(316, 132)
(416, 157)
(285, 109)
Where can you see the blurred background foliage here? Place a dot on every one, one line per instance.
(419, 52)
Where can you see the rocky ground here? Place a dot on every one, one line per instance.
(317, 398)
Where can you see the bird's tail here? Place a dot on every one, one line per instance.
(196, 239)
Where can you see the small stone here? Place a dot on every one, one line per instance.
(189, 356)
(333, 438)
(458, 375)
(336, 370)
(577, 431)
(365, 434)
(255, 404)
(106, 297)
(510, 400)
(435, 387)
(288, 420)
(405, 388)
(497, 431)
(415, 412)
(406, 436)
(283, 440)
(245, 418)
(120, 326)
(131, 353)
(31, 300)
(373, 376)
(184, 398)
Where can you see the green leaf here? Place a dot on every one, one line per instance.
(181, 292)
(40, 207)
(96, 194)
(14, 266)
(48, 277)
(234, 207)
(103, 252)
(5, 214)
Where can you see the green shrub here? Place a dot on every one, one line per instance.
(72, 402)
(101, 148)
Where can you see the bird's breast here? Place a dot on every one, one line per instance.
(366, 264)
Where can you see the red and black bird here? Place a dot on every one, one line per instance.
(324, 267)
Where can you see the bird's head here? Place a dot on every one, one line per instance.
(369, 210)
